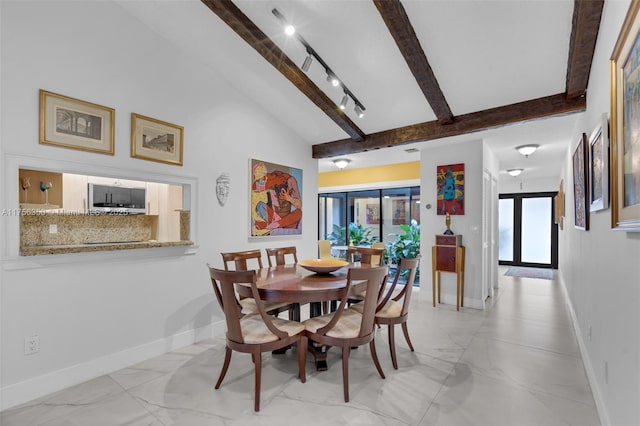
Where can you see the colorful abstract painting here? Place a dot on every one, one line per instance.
(276, 199)
(450, 189)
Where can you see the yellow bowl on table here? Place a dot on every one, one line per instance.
(323, 266)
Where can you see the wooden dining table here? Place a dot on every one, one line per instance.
(294, 284)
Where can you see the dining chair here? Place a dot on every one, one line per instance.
(347, 328)
(375, 259)
(393, 308)
(279, 255)
(368, 255)
(254, 334)
(324, 249)
(240, 261)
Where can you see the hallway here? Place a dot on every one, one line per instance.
(518, 363)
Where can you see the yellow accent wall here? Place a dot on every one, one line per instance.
(386, 173)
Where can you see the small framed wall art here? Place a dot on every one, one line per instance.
(599, 166)
(76, 124)
(580, 200)
(450, 189)
(156, 140)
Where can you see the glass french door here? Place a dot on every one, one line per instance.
(527, 234)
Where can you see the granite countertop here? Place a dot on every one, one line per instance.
(80, 248)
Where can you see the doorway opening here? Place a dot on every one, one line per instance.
(528, 235)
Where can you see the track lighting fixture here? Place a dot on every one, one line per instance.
(307, 63)
(311, 55)
(343, 102)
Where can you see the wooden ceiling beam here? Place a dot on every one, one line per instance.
(250, 33)
(399, 25)
(584, 33)
(468, 123)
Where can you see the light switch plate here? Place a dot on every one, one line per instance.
(53, 229)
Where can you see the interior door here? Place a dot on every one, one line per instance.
(528, 235)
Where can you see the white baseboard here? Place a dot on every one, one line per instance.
(36, 387)
(586, 360)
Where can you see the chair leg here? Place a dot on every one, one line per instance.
(374, 355)
(225, 366)
(302, 358)
(346, 350)
(258, 376)
(405, 330)
(392, 346)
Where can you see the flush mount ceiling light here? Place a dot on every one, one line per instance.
(514, 172)
(312, 54)
(527, 150)
(341, 163)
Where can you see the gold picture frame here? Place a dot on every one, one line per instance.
(156, 140)
(625, 122)
(76, 124)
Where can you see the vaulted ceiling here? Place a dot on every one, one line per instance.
(424, 69)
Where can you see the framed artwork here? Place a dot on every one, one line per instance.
(580, 200)
(399, 212)
(276, 199)
(373, 214)
(625, 125)
(558, 201)
(599, 166)
(450, 189)
(156, 140)
(76, 124)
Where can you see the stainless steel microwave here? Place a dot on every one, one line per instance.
(117, 199)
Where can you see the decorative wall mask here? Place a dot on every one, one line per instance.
(223, 186)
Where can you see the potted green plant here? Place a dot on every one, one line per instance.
(405, 245)
(358, 235)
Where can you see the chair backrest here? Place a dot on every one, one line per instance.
(376, 278)
(366, 255)
(411, 267)
(279, 255)
(324, 249)
(375, 259)
(224, 283)
(239, 258)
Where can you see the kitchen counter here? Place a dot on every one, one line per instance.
(80, 248)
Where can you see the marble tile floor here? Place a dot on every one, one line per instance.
(515, 364)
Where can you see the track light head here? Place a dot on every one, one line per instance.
(307, 63)
(359, 111)
(331, 78)
(343, 102)
(289, 29)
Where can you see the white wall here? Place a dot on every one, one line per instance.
(97, 312)
(514, 185)
(469, 225)
(601, 267)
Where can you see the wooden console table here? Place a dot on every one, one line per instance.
(448, 256)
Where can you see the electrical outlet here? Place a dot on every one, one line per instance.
(589, 333)
(31, 344)
(53, 229)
